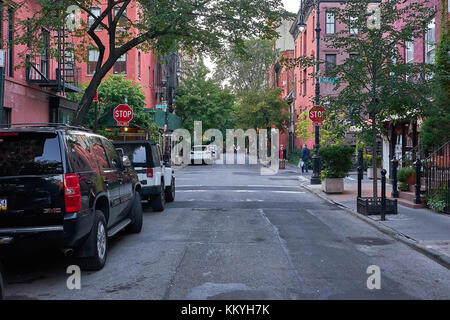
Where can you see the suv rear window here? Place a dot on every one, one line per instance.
(138, 154)
(29, 154)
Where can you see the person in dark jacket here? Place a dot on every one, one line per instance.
(306, 153)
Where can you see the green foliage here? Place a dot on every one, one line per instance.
(164, 26)
(403, 186)
(337, 161)
(368, 161)
(112, 92)
(203, 99)
(404, 173)
(332, 132)
(438, 201)
(436, 127)
(294, 156)
(261, 109)
(245, 66)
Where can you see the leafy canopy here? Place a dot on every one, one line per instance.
(161, 25)
(203, 99)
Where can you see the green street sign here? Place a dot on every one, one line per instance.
(328, 80)
(163, 106)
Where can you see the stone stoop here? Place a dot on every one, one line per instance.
(407, 199)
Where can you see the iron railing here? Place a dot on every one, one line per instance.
(437, 175)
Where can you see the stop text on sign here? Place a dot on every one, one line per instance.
(123, 114)
(317, 115)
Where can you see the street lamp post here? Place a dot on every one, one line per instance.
(315, 179)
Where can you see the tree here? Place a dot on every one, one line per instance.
(115, 90)
(261, 109)
(161, 25)
(245, 65)
(376, 85)
(333, 131)
(436, 127)
(203, 99)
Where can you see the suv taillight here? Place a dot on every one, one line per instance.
(149, 173)
(72, 193)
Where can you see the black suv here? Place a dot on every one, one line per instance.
(65, 187)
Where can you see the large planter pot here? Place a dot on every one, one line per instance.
(333, 185)
(370, 173)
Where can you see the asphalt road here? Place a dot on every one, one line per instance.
(236, 234)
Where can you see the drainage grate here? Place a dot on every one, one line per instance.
(367, 241)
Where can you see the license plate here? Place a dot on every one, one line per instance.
(3, 204)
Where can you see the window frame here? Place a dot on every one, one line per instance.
(91, 20)
(327, 23)
(89, 71)
(328, 64)
(430, 50)
(125, 61)
(409, 47)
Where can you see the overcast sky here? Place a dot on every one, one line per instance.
(292, 5)
(289, 5)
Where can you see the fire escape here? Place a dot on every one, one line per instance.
(60, 75)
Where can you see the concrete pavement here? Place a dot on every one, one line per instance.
(423, 228)
(234, 234)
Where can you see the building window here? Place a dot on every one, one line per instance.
(122, 20)
(44, 53)
(139, 65)
(96, 12)
(10, 52)
(92, 61)
(330, 23)
(6, 116)
(305, 82)
(430, 42)
(353, 29)
(330, 63)
(120, 67)
(409, 51)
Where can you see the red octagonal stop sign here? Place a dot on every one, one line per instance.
(317, 115)
(123, 115)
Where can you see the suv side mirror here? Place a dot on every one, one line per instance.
(126, 162)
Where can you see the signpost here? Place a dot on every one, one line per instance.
(317, 115)
(2, 84)
(123, 114)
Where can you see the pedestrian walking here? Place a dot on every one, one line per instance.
(306, 153)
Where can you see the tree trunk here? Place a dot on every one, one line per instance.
(374, 157)
(89, 93)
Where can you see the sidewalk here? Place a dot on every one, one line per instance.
(421, 229)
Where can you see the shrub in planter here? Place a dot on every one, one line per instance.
(403, 186)
(407, 175)
(437, 202)
(337, 162)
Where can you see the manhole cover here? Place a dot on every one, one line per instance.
(367, 241)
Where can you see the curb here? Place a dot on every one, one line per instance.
(412, 243)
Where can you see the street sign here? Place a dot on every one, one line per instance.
(328, 80)
(162, 106)
(317, 115)
(123, 114)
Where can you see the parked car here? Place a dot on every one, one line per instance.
(65, 187)
(155, 175)
(214, 151)
(201, 154)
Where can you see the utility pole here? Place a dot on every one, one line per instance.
(2, 84)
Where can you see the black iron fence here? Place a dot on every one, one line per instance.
(436, 170)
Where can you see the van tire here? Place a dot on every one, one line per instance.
(159, 201)
(135, 215)
(98, 240)
(170, 191)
